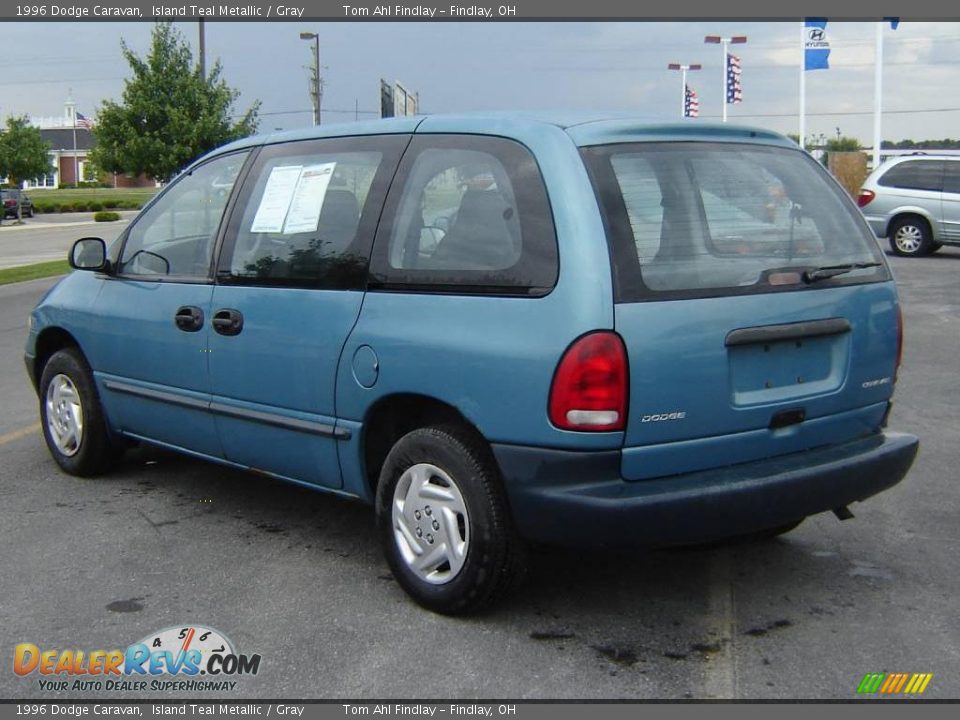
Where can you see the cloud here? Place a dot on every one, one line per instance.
(522, 65)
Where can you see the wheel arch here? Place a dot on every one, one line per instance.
(913, 213)
(49, 341)
(393, 416)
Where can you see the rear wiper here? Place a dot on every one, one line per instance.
(829, 271)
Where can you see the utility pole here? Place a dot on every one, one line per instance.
(71, 105)
(203, 50)
(317, 84)
(725, 42)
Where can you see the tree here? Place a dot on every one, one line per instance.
(170, 113)
(837, 145)
(24, 154)
(843, 144)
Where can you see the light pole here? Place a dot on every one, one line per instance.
(203, 50)
(725, 42)
(683, 83)
(316, 73)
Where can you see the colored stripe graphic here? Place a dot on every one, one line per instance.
(894, 683)
(871, 682)
(918, 683)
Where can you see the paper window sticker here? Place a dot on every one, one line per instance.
(308, 196)
(276, 198)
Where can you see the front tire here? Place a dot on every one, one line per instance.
(72, 418)
(911, 237)
(444, 523)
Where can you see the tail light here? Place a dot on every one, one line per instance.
(865, 197)
(589, 391)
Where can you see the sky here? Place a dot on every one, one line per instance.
(459, 67)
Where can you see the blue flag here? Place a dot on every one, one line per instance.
(893, 22)
(816, 45)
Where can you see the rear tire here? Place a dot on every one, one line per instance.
(444, 523)
(72, 418)
(911, 237)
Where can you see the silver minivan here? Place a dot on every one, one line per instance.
(914, 200)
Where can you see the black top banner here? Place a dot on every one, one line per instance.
(502, 10)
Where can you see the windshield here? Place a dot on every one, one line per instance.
(716, 218)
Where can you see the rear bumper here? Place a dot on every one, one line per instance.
(572, 498)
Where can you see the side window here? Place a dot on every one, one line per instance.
(175, 237)
(915, 175)
(469, 212)
(951, 177)
(307, 211)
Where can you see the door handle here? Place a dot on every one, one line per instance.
(228, 321)
(189, 318)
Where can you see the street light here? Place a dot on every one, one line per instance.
(316, 73)
(725, 42)
(683, 83)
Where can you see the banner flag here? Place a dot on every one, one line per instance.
(816, 45)
(691, 106)
(734, 89)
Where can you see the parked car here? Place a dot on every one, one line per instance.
(14, 200)
(626, 335)
(914, 200)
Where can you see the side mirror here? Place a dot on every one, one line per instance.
(89, 254)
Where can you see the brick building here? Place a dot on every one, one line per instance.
(71, 140)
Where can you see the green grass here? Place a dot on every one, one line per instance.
(90, 199)
(103, 195)
(34, 272)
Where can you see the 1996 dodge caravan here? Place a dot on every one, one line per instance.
(494, 329)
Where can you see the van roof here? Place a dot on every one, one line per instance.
(585, 128)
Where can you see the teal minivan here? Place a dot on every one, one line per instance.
(494, 329)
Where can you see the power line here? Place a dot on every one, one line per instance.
(309, 111)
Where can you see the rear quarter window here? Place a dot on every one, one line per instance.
(466, 214)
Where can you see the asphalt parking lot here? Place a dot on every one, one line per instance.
(298, 578)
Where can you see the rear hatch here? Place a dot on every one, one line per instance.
(757, 310)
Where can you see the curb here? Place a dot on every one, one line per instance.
(48, 226)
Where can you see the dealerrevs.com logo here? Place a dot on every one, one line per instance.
(894, 683)
(187, 658)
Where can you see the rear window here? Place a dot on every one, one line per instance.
(703, 219)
